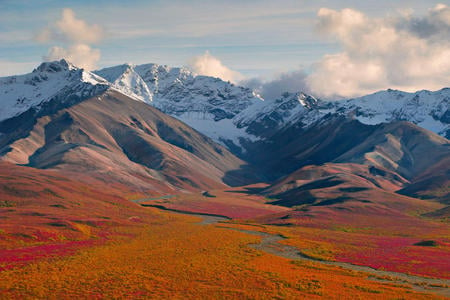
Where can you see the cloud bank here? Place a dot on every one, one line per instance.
(403, 52)
(284, 82)
(76, 36)
(209, 65)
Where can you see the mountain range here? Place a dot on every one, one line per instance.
(168, 129)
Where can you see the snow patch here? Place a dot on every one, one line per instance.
(219, 131)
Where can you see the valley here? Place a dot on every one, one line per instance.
(104, 176)
(334, 234)
(175, 256)
(269, 243)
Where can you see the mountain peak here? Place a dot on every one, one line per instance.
(55, 66)
(49, 81)
(127, 80)
(303, 99)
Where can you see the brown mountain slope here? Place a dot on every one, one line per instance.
(342, 163)
(333, 183)
(112, 136)
(434, 183)
(345, 190)
(401, 147)
(362, 186)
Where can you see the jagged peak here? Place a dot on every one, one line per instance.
(303, 99)
(113, 73)
(152, 69)
(55, 80)
(55, 66)
(62, 66)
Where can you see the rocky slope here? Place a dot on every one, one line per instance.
(114, 137)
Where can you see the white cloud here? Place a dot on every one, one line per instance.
(72, 30)
(284, 82)
(209, 65)
(76, 36)
(80, 55)
(403, 52)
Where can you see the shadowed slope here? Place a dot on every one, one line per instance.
(434, 183)
(401, 147)
(125, 140)
(330, 184)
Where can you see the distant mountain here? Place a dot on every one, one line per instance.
(429, 110)
(90, 128)
(348, 194)
(179, 92)
(341, 163)
(229, 114)
(125, 79)
(205, 103)
(400, 146)
(334, 184)
(235, 116)
(433, 183)
(60, 116)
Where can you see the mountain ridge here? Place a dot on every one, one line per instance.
(275, 136)
(113, 136)
(231, 115)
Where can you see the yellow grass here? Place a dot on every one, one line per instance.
(175, 258)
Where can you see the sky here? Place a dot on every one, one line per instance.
(331, 49)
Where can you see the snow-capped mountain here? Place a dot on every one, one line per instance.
(125, 79)
(429, 110)
(231, 115)
(177, 91)
(265, 117)
(205, 103)
(50, 80)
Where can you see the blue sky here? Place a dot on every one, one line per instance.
(254, 38)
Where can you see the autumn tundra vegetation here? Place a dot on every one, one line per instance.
(62, 238)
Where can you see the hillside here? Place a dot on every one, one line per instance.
(113, 136)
